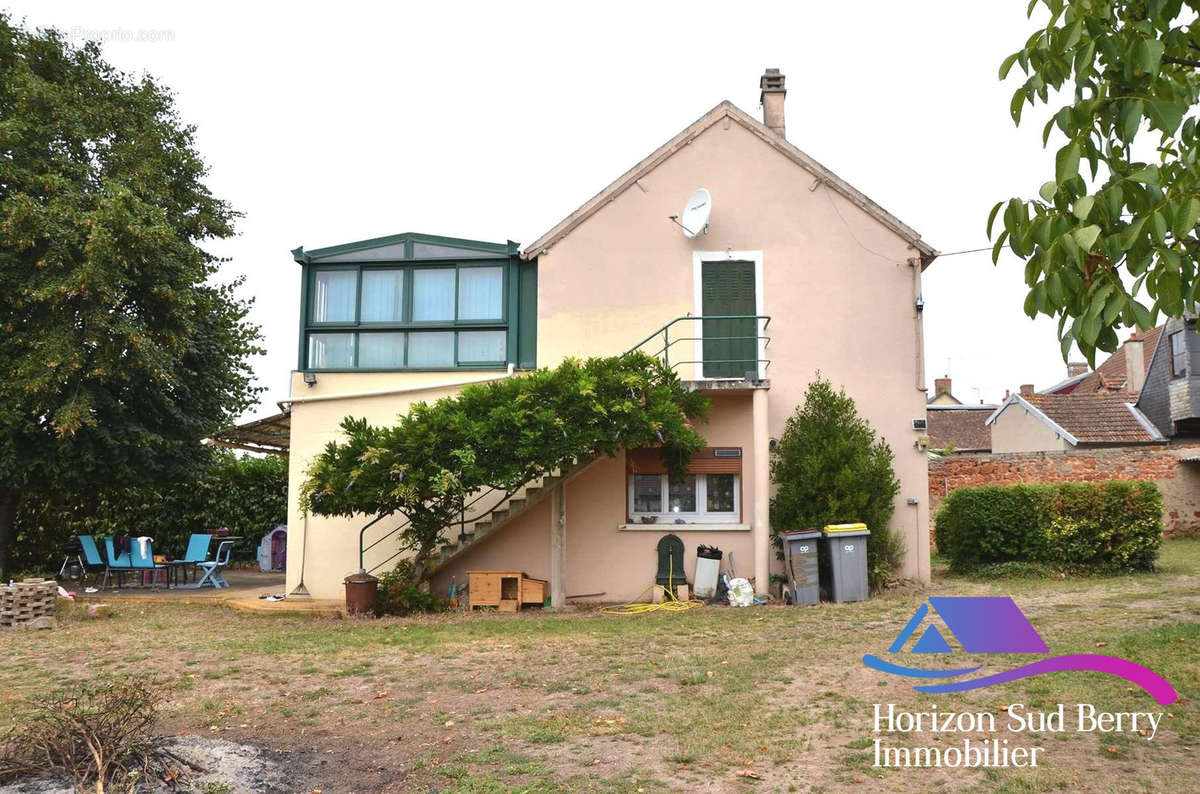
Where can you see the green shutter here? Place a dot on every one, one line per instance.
(730, 346)
(526, 320)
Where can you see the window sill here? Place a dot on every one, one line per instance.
(689, 527)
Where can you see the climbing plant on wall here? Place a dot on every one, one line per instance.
(501, 435)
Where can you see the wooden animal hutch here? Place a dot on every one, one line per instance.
(508, 591)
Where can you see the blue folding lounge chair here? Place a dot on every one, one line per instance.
(197, 552)
(114, 562)
(213, 568)
(89, 558)
(142, 559)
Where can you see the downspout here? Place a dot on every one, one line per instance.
(918, 313)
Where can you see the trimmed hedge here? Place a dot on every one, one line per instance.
(1107, 526)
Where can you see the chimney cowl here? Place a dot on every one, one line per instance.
(772, 84)
(1026, 389)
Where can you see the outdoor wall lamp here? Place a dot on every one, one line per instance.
(920, 304)
(310, 378)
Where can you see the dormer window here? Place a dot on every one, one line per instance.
(408, 303)
(1178, 355)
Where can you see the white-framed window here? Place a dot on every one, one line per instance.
(696, 498)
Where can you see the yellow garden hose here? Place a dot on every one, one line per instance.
(669, 603)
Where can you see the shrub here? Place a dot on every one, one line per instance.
(831, 468)
(1104, 526)
(98, 735)
(401, 593)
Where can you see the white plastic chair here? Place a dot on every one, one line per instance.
(213, 568)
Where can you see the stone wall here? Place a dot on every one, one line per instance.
(1179, 482)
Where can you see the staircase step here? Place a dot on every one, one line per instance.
(516, 504)
(482, 527)
(499, 515)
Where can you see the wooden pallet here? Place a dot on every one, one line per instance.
(30, 603)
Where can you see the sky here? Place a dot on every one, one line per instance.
(330, 123)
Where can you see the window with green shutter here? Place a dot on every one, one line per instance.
(730, 346)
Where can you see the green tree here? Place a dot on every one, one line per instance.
(501, 435)
(1116, 245)
(831, 469)
(118, 351)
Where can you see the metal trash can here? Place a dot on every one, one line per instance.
(800, 567)
(362, 593)
(844, 562)
(708, 569)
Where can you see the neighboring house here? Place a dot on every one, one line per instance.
(958, 428)
(942, 394)
(793, 252)
(1136, 417)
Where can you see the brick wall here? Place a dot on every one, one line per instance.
(1179, 482)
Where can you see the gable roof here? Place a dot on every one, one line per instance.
(407, 245)
(964, 427)
(1087, 418)
(1112, 375)
(727, 110)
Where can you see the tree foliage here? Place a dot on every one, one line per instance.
(118, 351)
(1115, 244)
(830, 468)
(501, 435)
(218, 489)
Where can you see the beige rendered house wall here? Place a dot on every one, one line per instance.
(325, 550)
(838, 285)
(1016, 429)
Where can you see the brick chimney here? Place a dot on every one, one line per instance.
(1135, 364)
(1026, 389)
(772, 96)
(1076, 368)
(941, 386)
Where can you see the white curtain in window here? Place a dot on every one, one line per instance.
(431, 349)
(331, 351)
(480, 293)
(380, 350)
(382, 296)
(433, 294)
(476, 346)
(333, 296)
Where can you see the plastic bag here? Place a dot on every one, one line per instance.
(741, 594)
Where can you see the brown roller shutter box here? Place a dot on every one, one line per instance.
(649, 461)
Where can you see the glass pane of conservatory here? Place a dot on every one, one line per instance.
(431, 349)
(333, 296)
(381, 351)
(383, 296)
(482, 345)
(331, 351)
(480, 293)
(433, 294)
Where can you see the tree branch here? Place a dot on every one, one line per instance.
(1180, 61)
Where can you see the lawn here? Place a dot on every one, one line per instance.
(714, 699)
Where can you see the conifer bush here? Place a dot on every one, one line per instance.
(831, 468)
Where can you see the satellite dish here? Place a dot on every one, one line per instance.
(695, 213)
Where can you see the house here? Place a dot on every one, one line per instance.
(1136, 417)
(942, 394)
(806, 273)
(1089, 409)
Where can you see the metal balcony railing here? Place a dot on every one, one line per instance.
(724, 346)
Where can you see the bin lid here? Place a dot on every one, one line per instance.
(800, 534)
(844, 529)
(361, 577)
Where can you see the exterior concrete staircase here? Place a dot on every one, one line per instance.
(508, 508)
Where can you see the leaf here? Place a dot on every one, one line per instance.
(1130, 119)
(1165, 114)
(999, 244)
(992, 217)
(1188, 216)
(1149, 55)
(1006, 65)
(1066, 163)
(1083, 207)
(1086, 236)
(1048, 191)
(1146, 175)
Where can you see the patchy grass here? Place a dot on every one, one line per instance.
(767, 699)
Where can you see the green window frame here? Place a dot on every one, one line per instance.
(476, 342)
